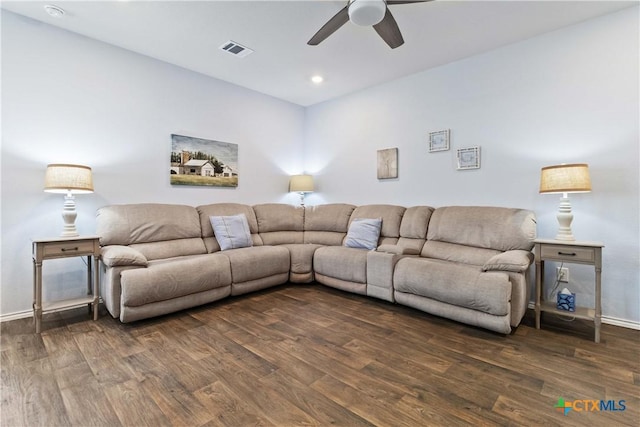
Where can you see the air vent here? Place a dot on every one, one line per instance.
(236, 49)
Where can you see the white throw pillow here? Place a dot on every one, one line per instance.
(231, 232)
(364, 233)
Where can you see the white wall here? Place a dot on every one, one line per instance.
(70, 99)
(567, 96)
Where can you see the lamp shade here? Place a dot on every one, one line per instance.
(573, 178)
(301, 183)
(64, 178)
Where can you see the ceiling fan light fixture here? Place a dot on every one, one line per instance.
(367, 12)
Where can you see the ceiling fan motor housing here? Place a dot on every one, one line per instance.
(367, 12)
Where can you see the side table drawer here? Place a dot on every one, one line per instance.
(64, 249)
(568, 253)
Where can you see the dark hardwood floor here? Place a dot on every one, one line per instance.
(310, 355)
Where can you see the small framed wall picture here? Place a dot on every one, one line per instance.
(439, 140)
(469, 158)
(388, 163)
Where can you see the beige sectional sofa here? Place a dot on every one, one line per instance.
(466, 263)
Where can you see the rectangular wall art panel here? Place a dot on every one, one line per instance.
(197, 161)
(388, 163)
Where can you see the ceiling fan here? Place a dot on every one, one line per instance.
(366, 13)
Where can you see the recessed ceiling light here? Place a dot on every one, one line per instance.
(55, 11)
(317, 79)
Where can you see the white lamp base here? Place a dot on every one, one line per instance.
(564, 219)
(69, 215)
(301, 198)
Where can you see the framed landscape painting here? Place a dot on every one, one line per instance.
(203, 162)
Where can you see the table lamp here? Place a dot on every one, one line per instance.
(301, 184)
(564, 179)
(68, 180)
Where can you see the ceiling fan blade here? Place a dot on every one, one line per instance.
(338, 20)
(392, 2)
(389, 31)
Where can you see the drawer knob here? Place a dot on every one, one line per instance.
(567, 253)
(69, 249)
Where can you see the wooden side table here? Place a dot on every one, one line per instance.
(66, 247)
(573, 252)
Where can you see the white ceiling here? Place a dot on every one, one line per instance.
(189, 33)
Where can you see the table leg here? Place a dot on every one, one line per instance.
(37, 285)
(96, 286)
(89, 283)
(598, 316)
(539, 284)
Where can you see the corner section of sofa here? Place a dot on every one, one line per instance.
(283, 225)
(345, 267)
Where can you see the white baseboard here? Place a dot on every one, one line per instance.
(29, 313)
(15, 316)
(623, 323)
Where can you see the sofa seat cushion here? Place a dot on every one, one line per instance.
(339, 262)
(302, 257)
(257, 262)
(457, 284)
(172, 278)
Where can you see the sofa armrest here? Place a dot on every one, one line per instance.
(517, 261)
(396, 250)
(117, 255)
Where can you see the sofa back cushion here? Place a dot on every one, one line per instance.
(457, 253)
(391, 218)
(170, 248)
(496, 228)
(413, 228)
(156, 230)
(327, 224)
(226, 209)
(280, 224)
(146, 222)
